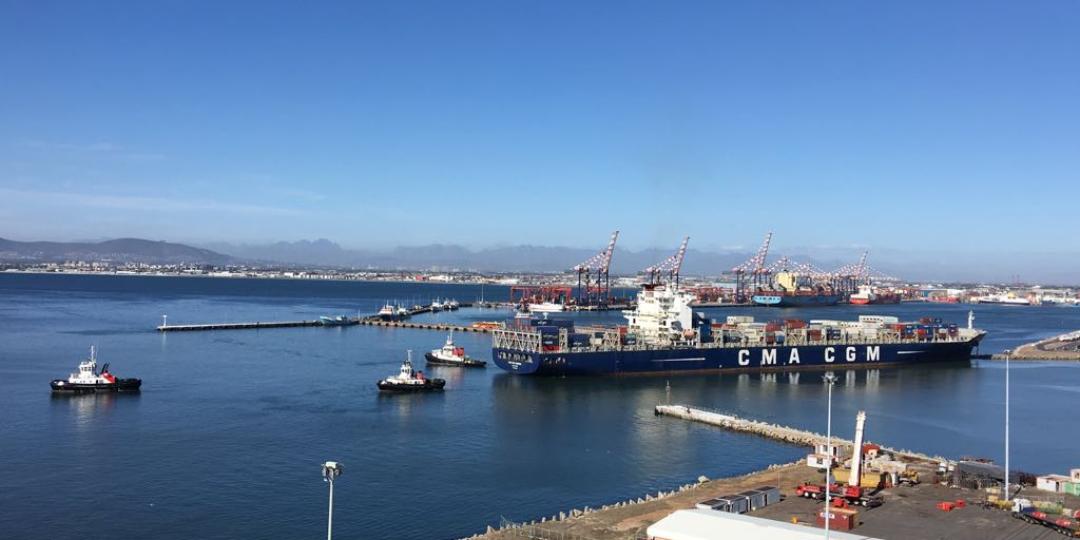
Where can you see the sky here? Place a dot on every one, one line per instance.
(933, 127)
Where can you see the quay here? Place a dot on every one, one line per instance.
(909, 513)
(1062, 347)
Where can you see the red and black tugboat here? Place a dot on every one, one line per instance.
(452, 355)
(408, 380)
(88, 380)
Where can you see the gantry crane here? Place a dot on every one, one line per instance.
(755, 267)
(594, 283)
(669, 267)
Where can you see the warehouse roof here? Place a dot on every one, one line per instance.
(715, 525)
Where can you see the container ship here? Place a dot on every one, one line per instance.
(663, 335)
(793, 290)
(866, 295)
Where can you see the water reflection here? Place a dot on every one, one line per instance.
(85, 409)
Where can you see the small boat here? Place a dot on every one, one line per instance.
(408, 380)
(340, 320)
(88, 380)
(387, 312)
(452, 355)
(451, 305)
(436, 305)
(402, 312)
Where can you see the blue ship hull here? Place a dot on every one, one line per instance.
(804, 300)
(758, 358)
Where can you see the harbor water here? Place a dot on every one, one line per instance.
(226, 438)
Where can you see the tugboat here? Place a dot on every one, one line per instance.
(408, 380)
(88, 380)
(451, 355)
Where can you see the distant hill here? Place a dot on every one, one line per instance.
(119, 250)
(454, 257)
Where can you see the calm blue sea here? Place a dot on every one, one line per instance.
(226, 439)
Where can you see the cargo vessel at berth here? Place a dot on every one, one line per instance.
(664, 335)
(794, 290)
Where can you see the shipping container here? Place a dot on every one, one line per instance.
(558, 323)
(840, 519)
(772, 494)
(756, 498)
(734, 504)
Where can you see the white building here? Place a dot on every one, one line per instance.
(1051, 482)
(714, 525)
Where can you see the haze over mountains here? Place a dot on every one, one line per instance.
(1057, 268)
(447, 256)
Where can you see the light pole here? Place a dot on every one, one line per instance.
(1008, 353)
(830, 381)
(330, 471)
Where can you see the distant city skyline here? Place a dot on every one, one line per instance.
(940, 131)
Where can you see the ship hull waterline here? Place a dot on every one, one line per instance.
(733, 359)
(468, 362)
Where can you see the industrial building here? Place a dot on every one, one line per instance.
(701, 524)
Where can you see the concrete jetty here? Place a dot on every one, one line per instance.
(772, 431)
(296, 324)
(352, 321)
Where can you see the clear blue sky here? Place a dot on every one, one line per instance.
(896, 125)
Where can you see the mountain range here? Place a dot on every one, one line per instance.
(119, 250)
(523, 258)
(910, 264)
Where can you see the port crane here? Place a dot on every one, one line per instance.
(593, 280)
(849, 277)
(853, 492)
(669, 267)
(755, 267)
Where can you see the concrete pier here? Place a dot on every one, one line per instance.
(772, 431)
(352, 321)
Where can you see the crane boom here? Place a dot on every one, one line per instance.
(601, 261)
(606, 264)
(855, 478)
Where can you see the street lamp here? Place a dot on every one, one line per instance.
(830, 381)
(330, 471)
(1008, 353)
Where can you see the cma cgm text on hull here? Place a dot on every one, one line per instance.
(663, 335)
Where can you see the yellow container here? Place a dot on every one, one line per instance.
(870, 480)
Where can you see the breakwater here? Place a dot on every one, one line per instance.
(776, 432)
(348, 321)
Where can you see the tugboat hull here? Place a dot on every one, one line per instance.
(429, 385)
(61, 386)
(467, 362)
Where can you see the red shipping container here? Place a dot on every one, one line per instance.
(960, 503)
(946, 506)
(840, 519)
